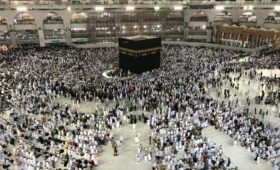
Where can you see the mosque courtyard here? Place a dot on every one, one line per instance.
(241, 157)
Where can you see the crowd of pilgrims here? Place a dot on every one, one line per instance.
(38, 133)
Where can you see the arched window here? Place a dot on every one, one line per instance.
(224, 16)
(248, 16)
(80, 17)
(53, 18)
(24, 18)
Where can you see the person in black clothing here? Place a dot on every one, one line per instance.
(228, 162)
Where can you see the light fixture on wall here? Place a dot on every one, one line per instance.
(250, 7)
(99, 8)
(157, 8)
(129, 8)
(178, 8)
(21, 8)
(277, 8)
(68, 8)
(219, 7)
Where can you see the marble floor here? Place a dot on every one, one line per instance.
(242, 158)
(253, 89)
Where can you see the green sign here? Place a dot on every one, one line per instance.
(80, 40)
(3, 42)
(55, 41)
(27, 41)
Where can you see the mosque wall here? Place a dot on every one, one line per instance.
(207, 23)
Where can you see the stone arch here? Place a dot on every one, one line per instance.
(24, 18)
(79, 17)
(248, 16)
(199, 16)
(3, 20)
(52, 18)
(78, 26)
(4, 33)
(273, 17)
(224, 16)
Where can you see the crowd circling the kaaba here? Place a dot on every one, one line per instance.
(38, 133)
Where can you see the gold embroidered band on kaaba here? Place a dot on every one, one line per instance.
(140, 51)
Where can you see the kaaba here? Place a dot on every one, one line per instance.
(140, 53)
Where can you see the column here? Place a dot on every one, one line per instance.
(141, 23)
(41, 38)
(118, 25)
(209, 35)
(68, 36)
(67, 29)
(266, 1)
(240, 2)
(186, 29)
(91, 26)
(13, 39)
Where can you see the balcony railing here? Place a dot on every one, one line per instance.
(79, 34)
(53, 21)
(3, 22)
(59, 4)
(28, 41)
(79, 21)
(23, 22)
(49, 37)
(92, 2)
(223, 19)
(271, 22)
(199, 19)
(106, 35)
(197, 32)
(5, 41)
